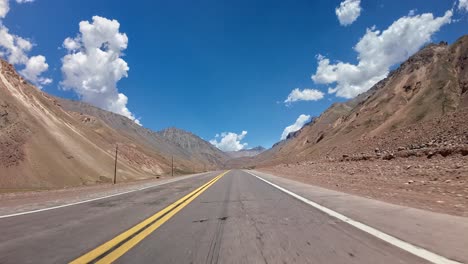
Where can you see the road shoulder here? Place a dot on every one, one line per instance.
(439, 233)
(20, 203)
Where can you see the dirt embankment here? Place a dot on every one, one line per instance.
(424, 165)
(438, 184)
(405, 141)
(443, 136)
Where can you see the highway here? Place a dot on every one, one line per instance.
(218, 217)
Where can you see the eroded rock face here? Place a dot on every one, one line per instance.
(13, 130)
(194, 145)
(48, 142)
(423, 100)
(183, 145)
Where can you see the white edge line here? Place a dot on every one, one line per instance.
(98, 198)
(415, 250)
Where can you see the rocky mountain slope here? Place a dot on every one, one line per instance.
(419, 109)
(47, 142)
(252, 152)
(405, 141)
(195, 147)
(175, 142)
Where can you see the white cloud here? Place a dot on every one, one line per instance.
(4, 8)
(348, 11)
(463, 5)
(71, 44)
(300, 122)
(93, 65)
(15, 49)
(304, 95)
(230, 141)
(35, 66)
(412, 12)
(377, 52)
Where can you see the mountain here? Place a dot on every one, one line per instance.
(196, 147)
(48, 142)
(172, 141)
(245, 152)
(422, 102)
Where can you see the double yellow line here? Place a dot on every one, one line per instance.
(116, 247)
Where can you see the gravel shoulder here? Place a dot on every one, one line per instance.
(438, 184)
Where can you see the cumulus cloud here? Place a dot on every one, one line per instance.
(93, 65)
(304, 95)
(35, 66)
(348, 11)
(300, 122)
(229, 141)
(15, 49)
(463, 5)
(377, 52)
(71, 44)
(4, 8)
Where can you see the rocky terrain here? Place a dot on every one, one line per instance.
(438, 184)
(404, 141)
(428, 88)
(252, 152)
(197, 148)
(48, 142)
(175, 142)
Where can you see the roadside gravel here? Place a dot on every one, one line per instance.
(438, 184)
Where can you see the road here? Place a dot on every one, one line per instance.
(228, 218)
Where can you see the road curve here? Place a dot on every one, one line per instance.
(235, 218)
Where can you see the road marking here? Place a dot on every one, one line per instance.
(415, 250)
(99, 198)
(116, 247)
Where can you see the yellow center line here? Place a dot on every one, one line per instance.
(116, 247)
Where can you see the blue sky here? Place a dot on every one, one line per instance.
(222, 66)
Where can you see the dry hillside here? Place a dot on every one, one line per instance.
(405, 141)
(183, 145)
(47, 142)
(421, 105)
(197, 148)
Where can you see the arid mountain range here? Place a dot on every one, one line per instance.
(252, 152)
(405, 141)
(48, 142)
(421, 108)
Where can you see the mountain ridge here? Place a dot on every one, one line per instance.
(50, 142)
(251, 152)
(157, 139)
(431, 84)
(80, 139)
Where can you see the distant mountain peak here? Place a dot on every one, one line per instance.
(251, 152)
(257, 148)
(192, 143)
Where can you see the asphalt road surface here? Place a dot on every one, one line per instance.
(212, 218)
